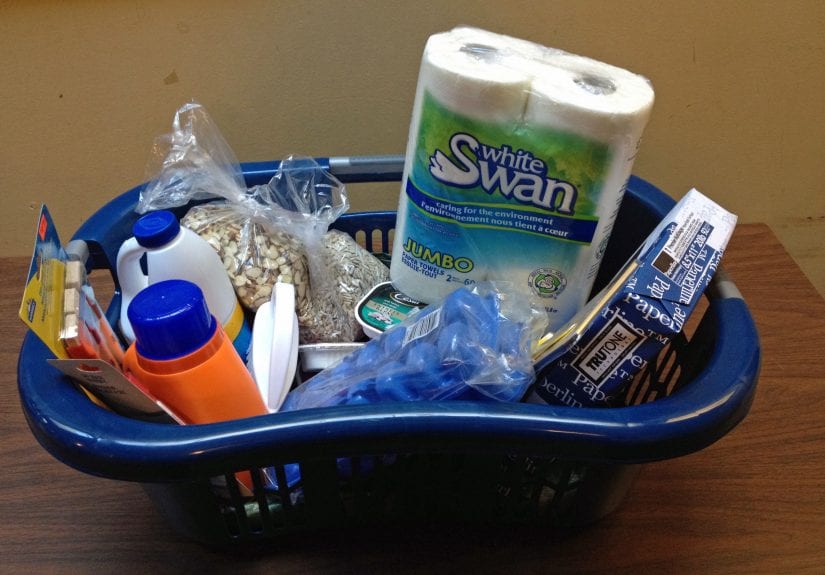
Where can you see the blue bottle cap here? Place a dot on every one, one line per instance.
(156, 228)
(170, 319)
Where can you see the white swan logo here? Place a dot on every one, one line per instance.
(442, 168)
(514, 174)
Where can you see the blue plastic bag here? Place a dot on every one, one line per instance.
(474, 345)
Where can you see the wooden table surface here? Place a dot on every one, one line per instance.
(754, 502)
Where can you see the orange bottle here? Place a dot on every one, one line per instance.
(182, 356)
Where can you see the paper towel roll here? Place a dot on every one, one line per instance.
(472, 72)
(516, 162)
(588, 97)
(603, 103)
(513, 52)
(466, 71)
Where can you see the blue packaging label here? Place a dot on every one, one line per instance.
(642, 316)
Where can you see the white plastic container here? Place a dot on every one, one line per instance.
(175, 252)
(320, 356)
(273, 355)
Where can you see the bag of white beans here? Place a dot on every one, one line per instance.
(265, 234)
(257, 254)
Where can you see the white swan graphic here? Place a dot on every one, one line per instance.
(444, 169)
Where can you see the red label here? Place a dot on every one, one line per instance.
(41, 229)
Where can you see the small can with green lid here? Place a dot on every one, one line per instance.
(383, 307)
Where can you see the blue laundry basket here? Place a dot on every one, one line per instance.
(406, 462)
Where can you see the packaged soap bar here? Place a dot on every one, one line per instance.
(590, 361)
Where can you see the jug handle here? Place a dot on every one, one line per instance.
(132, 280)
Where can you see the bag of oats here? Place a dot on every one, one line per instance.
(341, 272)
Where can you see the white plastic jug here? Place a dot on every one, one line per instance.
(175, 252)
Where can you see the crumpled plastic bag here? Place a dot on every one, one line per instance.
(268, 233)
(474, 345)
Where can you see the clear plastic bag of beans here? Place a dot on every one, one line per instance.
(255, 254)
(269, 233)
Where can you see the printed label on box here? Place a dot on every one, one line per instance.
(645, 306)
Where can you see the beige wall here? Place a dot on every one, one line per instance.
(87, 86)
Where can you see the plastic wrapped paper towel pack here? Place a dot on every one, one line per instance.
(517, 160)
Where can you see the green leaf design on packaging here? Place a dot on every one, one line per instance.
(568, 157)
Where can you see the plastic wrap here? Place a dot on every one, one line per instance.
(516, 163)
(269, 233)
(341, 271)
